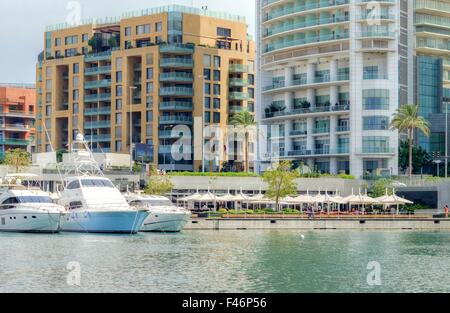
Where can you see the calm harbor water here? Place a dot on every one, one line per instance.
(234, 261)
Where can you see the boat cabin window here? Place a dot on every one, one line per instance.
(151, 202)
(75, 205)
(12, 200)
(96, 183)
(35, 199)
(74, 185)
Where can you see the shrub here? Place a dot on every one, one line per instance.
(223, 211)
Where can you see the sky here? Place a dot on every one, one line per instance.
(23, 24)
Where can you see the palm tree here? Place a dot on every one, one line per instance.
(407, 120)
(244, 121)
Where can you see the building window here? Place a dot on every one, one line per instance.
(76, 68)
(251, 79)
(376, 123)
(57, 42)
(207, 74)
(158, 27)
(127, 31)
(85, 38)
(216, 117)
(119, 77)
(118, 145)
(119, 64)
(376, 99)
(149, 87)
(223, 32)
(207, 88)
(217, 103)
(251, 93)
(149, 102)
(75, 108)
(149, 116)
(207, 117)
(118, 118)
(150, 73)
(143, 29)
(75, 82)
(206, 60)
(216, 89)
(217, 62)
(375, 144)
(118, 104)
(251, 107)
(216, 75)
(207, 103)
(71, 40)
(149, 59)
(76, 95)
(119, 91)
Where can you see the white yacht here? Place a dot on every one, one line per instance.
(28, 210)
(164, 215)
(94, 204)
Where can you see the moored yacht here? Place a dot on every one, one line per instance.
(94, 204)
(164, 215)
(28, 210)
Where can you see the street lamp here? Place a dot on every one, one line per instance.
(131, 127)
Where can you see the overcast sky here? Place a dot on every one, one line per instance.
(23, 24)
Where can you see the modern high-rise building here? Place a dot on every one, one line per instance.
(17, 117)
(332, 74)
(432, 63)
(172, 66)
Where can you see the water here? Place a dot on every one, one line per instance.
(228, 261)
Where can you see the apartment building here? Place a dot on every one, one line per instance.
(332, 74)
(150, 80)
(17, 117)
(432, 63)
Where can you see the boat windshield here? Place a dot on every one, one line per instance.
(34, 199)
(89, 183)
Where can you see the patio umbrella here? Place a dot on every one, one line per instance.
(393, 200)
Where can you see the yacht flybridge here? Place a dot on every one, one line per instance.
(94, 204)
(27, 209)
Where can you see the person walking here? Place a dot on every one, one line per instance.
(446, 211)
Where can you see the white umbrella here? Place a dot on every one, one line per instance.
(393, 200)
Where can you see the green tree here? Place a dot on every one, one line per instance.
(378, 189)
(18, 159)
(158, 184)
(420, 157)
(281, 181)
(244, 121)
(407, 120)
(95, 43)
(59, 155)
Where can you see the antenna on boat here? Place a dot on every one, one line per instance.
(53, 150)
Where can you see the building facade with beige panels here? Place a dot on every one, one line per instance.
(178, 68)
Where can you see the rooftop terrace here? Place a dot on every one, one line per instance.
(146, 12)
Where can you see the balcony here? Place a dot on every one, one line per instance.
(101, 56)
(98, 138)
(97, 70)
(321, 130)
(271, 31)
(168, 149)
(238, 96)
(169, 134)
(312, 110)
(177, 48)
(19, 127)
(104, 83)
(305, 41)
(377, 34)
(97, 97)
(238, 68)
(177, 62)
(342, 129)
(174, 120)
(374, 76)
(176, 91)
(14, 142)
(304, 82)
(97, 111)
(97, 124)
(176, 106)
(176, 77)
(17, 113)
(377, 150)
(318, 152)
(298, 133)
(234, 109)
(239, 82)
(299, 9)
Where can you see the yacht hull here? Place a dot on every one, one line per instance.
(165, 222)
(109, 222)
(30, 222)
